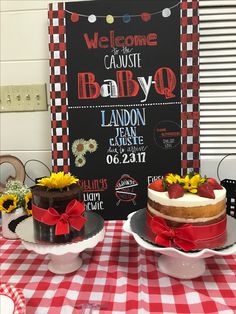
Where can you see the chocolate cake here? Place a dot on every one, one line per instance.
(50, 203)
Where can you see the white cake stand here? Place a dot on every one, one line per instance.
(176, 263)
(64, 258)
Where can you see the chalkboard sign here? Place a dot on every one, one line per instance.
(124, 93)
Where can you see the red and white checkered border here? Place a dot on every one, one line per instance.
(190, 130)
(58, 88)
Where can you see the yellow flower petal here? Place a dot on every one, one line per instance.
(28, 203)
(194, 191)
(170, 178)
(8, 202)
(58, 181)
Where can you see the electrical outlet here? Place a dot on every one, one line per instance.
(23, 98)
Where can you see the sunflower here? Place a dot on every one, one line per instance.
(8, 202)
(58, 181)
(79, 147)
(80, 161)
(91, 145)
(173, 178)
(191, 182)
(28, 203)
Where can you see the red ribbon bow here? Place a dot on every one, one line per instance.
(183, 237)
(71, 217)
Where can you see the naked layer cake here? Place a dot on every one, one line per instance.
(191, 202)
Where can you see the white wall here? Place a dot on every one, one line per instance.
(24, 60)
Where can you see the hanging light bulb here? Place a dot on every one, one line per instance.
(92, 18)
(109, 19)
(166, 12)
(74, 17)
(126, 18)
(145, 16)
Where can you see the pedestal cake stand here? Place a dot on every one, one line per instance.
(64, 258)
(174, 262)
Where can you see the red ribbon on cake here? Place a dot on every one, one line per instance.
(187, 236)
(183, 237)
(71, 217)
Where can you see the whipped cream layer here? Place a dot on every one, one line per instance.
(187, 200)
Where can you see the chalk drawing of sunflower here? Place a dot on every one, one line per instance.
(91, 145)
(79, 147)
(80, 161)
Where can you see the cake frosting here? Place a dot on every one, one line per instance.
(192, 200)
(188, 200)
(188, 208)
(57, 209)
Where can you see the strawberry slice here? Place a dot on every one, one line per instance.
(214, 184)
(175, 191)
(157, 185)
(206, 190)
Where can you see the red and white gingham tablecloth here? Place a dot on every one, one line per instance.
(117, 276)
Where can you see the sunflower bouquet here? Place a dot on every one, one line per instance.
(15, 195)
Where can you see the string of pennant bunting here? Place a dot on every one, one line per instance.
(126, 18)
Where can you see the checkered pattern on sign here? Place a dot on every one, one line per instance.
(58, 88)
(117, 276)
(189, 87)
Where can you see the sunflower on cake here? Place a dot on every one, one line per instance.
(58, 209)
(183, 211)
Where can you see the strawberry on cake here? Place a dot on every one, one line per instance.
(190, 203)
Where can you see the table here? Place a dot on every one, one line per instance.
(117, 276)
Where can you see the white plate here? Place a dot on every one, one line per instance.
(7, 305)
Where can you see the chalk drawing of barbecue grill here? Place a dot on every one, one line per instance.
(125, 189)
